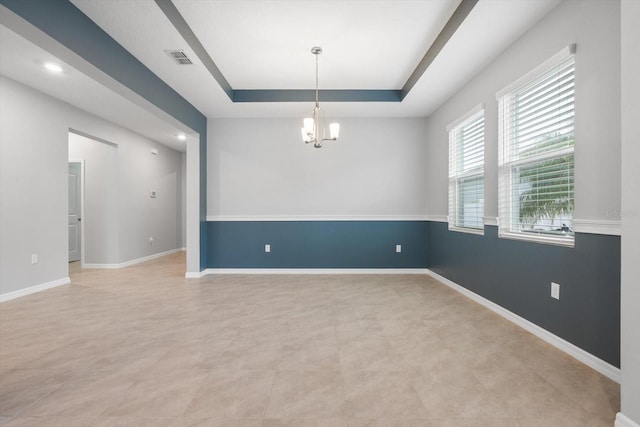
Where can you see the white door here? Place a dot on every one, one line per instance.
(75, 170)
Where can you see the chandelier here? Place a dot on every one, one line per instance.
(316, 123)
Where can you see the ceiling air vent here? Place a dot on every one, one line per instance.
(179, 56)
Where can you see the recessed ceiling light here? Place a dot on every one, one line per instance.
(182, 137)
(54, 68)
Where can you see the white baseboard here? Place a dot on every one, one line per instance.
(102, 266)
(133, 261)
(33, 289)
(195, 274)
(308, 271)
(588, 359)
(624, 421)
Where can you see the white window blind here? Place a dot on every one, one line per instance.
(536, 163)
(466, 172)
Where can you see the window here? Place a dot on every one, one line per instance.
(536, 143)
(466, 172)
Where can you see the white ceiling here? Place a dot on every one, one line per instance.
(24, 62)
(265, 44)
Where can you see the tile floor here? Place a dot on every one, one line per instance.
(142, 346)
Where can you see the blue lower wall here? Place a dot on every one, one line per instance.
(517, 275)
(317, 244)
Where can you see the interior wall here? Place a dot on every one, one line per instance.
(346, 205)
(141, 216)
(34, 163)
(120, 214)
(594, 25)
(33, 188)
(517, 275)
(100, 194)
(260, 168)
(630, 315)
(85, 46)
(183, 202)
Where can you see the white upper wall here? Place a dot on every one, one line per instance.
(594, 25)
(260, 168)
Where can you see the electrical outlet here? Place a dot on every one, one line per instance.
(34, 258)
(398, 248)
(151, 240)
(267, 248)
(555, 290)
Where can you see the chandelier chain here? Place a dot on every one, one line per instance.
(317, 102)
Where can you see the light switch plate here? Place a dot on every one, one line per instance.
(555, 290)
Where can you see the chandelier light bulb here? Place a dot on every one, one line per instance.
(308, 125)
(334, 130)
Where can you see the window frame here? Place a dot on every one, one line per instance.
(456, 174)
(506, 163)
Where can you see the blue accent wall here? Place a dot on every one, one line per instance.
(517, 275)
(317, 244)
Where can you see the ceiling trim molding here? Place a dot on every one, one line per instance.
(336, 95)
(85, 46)
(449, 29)
(303, 95)
(173, 15)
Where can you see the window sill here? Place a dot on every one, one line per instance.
(477, 231)
(566, 241)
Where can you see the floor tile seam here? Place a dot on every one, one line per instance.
(484, 387)
(122, 395)
(575, 402)
(216, 359)
(344, 393)
(110, 404)
(422, 401)
(270, 396)
(597, 375)
(501, 395)
(247, 317)
(44, 396)
(195, 394)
